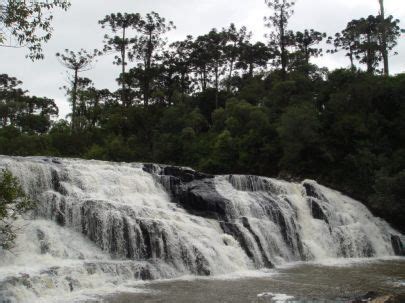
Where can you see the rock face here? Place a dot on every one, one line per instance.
(397, 245)
(198, 194)
(374, 297)
(192, 190)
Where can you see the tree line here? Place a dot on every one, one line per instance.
(222, 103)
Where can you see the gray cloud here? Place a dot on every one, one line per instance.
(78, 28)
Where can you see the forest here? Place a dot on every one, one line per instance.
(225, 104)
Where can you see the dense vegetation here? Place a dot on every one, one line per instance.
(224, 104)
(13, 203)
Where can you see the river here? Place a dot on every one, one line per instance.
(328, 281)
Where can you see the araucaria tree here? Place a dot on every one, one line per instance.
(306, 46)
(347, 41)
(27, 24)
(150, 42)
(121, 43)
(77, 62)
(278, 21)
(388, 32)
(368, 40)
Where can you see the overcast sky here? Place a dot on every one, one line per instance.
(78, 28)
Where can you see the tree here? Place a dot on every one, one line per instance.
(77, 62)
(305, 43)
(252, 56)
(182, 56)
(28, 24)
(151, 40)
(13, 203)
(216, 42)
(346, 40)
(30, 114)
(9, 94)
(35, 114)
(299, 130)
(215, 54)
(234, 40)
(200, 60)
(282, 11)
(120, 24)
(389, 32)
(384, 38)
(367, 39)
(368, 46)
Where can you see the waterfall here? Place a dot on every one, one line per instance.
(98, 225)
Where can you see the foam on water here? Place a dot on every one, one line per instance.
(281, 215)
(100, 227)
(275, 298)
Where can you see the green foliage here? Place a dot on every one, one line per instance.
(28, 24)
(368, 40)
(27, 113)
(389, 197)
(299, 131)
(213, 102)
(13, 203)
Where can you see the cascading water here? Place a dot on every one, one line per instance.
(99, 225)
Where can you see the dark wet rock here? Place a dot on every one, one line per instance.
(44, 246)
(400, 298)
(266, 261)
(196, 192)
(374, 297)
(60, 213)
(234, 230)
(397, 245)
(251, 183)
(144, 274)
(317, 211)
(52, 271)
(43, 243)
(201, 198)
(193, 190)
(40, 234)
(56, 161)
(184, 174)
(56, 182)
(312, 192)
(202, 265)
(368, 297)
(73, 283)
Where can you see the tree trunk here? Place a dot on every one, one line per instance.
(147, 70)
(370, 54)
(283, 46)
(74, 99)
(251, 69)
(183, 86)
(123, 58)
(228, 86)
(351, 57)
(384, 50)
(216, 85)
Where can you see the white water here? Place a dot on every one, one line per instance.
(120, 225)
(351, 230)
